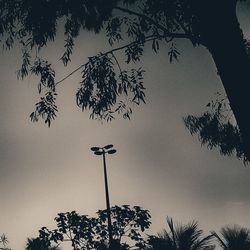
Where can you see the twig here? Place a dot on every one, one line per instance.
(70, 74)
(117, 62)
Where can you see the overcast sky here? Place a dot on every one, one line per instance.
(158, 164)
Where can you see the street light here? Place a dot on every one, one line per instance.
(102, 151)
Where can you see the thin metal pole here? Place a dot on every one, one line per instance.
(107, 199)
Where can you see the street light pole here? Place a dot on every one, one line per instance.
(107, 198)
(102, 151)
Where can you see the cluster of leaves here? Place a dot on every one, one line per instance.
(114, 30)
(215, 129)
(4, 242)
(38, 21)
(135, 29)
(235, 237)
(37, 244)
(34, 24)
(173, 53)
(174, 16)
(181, 237)
(92, 233)
(127, 222)
(68, 50)
(101, 86)
(190, 237)
(43, 69)
(141, 29)
(45, 108)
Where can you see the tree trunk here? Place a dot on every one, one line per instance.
(220, 32)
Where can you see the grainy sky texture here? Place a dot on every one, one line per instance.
(158, 164)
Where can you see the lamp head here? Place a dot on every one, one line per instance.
(109, 146)
(98, 152)
(95, 149)
(112, 151)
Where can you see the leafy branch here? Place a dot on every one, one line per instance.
(45, 108)
(167, 33)
(147, 39)
(101, 88)
(215, 129)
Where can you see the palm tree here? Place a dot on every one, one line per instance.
(181, 237)
(234, 238)
(37, 244)
(4, 242)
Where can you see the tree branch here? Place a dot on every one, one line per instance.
(158, 25)
(182, 26)
(147, 39)
(118, 65)
(70, 74)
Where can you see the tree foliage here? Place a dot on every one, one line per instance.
(234, 238)
(216, 128)
(4, 242)
(104, 83)
(37, 244)
(85, 232)
(181, 237)
(106, 88)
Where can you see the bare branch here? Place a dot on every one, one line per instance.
(118, 64)
(70, 74)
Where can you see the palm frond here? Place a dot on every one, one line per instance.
(234, 238)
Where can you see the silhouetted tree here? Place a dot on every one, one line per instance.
(234, 238)
(4, 242)
(85, 232)
(216, 128)
(37, 244)
(134, 23)
(181, 237)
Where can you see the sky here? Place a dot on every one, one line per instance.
(158, 164)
